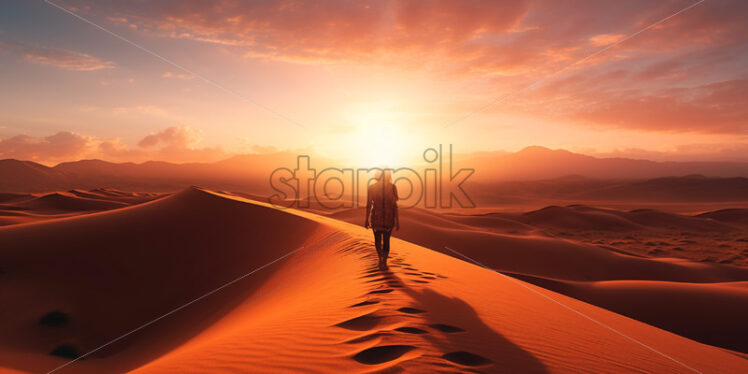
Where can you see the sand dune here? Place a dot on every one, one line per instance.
(119, 259)
(537, 251)
(737, 217)
(558, 258)
(25, 208)
(708, 312)
(518, 247)
(9, 197)
(85, 280)
(114, 195)
(68, 202)
(430, 218)
(581, 217)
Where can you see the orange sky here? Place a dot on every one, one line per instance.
(350, 79)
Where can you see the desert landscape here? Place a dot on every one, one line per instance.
(399, 186)
(574, 286)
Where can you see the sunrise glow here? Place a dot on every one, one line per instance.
(393, 186)
(299, 79)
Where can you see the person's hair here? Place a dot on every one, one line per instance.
(387, 175)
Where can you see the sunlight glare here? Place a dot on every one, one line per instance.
(378, 145)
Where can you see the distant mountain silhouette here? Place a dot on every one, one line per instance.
(552, 172)
(26, 176)
(536, 163)
(242, 172)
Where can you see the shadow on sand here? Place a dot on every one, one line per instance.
(458, 332)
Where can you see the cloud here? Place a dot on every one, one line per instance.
(60, 58)
(712, 108)
(175, 144)
(182, 137)
(180, 143)
(668, 78)
(515, 36)
(181, 76)
(62, 145)
(311, 31)
(605, 39)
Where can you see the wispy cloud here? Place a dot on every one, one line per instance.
(60, 58)
(674, 75)
(181, 76)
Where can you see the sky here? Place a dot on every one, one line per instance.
(371, 82)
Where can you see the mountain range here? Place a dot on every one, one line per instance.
(528, 170)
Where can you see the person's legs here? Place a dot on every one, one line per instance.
(378, 244)
(386, 245)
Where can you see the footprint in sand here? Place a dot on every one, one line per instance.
(466, 358)
(410, 310)
(54, 318)
(381, 354)
(361, 323)
(386, 290)
(364, 303)
(66, 351)
(371, 275)
(380, 279)
(366, 338)
(411, 330)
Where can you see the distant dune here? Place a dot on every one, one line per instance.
(25, 208)
(732, 216)
(706, 312)
(66, 202)
(79, 282)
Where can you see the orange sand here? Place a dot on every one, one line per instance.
(325, 308)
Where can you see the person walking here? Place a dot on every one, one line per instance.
(381, 208)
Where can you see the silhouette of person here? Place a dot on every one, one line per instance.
(381, 207)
